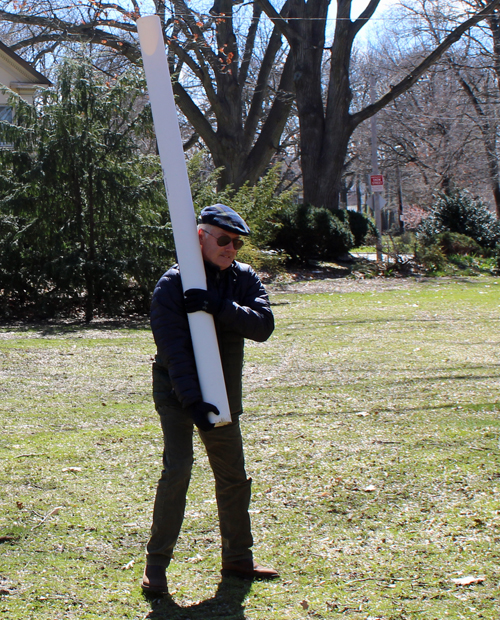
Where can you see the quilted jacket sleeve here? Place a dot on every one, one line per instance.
(170, 328)
(249, 313)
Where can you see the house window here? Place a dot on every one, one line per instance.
(6, 116)
(6, 113)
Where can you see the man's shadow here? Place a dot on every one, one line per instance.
(226, 604)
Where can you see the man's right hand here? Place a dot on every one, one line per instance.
(199, 412)
(196, 299)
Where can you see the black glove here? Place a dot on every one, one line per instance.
(199, 412)
(196, 299)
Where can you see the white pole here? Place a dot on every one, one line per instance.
(182, 215)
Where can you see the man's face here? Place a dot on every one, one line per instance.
(221, 256)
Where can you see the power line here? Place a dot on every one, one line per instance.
(382, 18)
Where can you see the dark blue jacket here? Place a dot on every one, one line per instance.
(245, 313)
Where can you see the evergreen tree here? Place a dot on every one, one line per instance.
(83, 215)
(459, 212)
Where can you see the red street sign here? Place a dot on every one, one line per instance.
(377, 182)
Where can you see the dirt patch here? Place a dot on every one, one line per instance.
(332, 279)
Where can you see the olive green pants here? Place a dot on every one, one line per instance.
(232, 487)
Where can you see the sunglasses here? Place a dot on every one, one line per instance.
(226, 240)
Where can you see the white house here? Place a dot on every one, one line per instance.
(19, 76)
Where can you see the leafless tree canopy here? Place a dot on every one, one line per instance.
(443, 132)
(233, 80)
(239, 68)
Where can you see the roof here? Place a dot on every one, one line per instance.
(37, 78)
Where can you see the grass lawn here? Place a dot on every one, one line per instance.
(372, 436)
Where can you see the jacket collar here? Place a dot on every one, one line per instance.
(215, 271)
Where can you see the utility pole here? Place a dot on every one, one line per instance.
(400, 201)
(375, 171)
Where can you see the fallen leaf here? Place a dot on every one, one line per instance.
(362, 414)
(73, 469)
(370, 488)
(467, 581)
(129, 565)
(20, 505)
(305, 604)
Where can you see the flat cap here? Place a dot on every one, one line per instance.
(224, 217)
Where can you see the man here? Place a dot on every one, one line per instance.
(240, 307)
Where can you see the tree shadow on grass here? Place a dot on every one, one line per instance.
(226, 604)
(63, 327)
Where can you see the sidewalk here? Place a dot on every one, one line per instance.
(385, 257)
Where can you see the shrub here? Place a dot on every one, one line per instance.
(258, 205)
(359, 225)
(459, 212)
(405, 243)
(455, 243)
(432, 258)
(311, 233)
(496, 256)
(269, 261)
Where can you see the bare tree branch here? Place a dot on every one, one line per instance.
(279, 20)
(204, 59)
(366, 15)
(261, 86)
(249, 44)
(433, 57)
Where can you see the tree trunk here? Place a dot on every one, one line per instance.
(489, 138)
(307, 22)
(91, 254)
(494, 25)
(322, 184)
(324, 134)
(496, 194)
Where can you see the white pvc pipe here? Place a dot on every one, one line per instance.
(182, 215)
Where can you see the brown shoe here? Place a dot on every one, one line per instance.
(154, 580)
(247, 569)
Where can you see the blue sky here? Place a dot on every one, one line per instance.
(358, 7)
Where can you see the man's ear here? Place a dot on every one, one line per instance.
(200, 236)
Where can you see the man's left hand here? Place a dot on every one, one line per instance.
(199, 412)
(196, 299)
